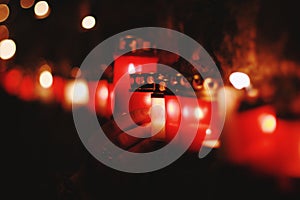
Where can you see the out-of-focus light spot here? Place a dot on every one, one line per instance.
(26, 3)
(208, 131)
(75, 72)
(267, 123)
(88, 22)
(239, 80)
(41, 9)
(12, 81)
(253, 92)
(199, 114)
(185, 111)
(46, 79)
(4, 12)
(4, 32)
(131, 68)
(103, 93)
(78, 93)
(7, 49)
(173, 107)
(45, 67)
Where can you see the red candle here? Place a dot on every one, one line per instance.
(27, 89)
(58, 88)
(250, 138)
(123, 67)
(12, 81)
(288, 147)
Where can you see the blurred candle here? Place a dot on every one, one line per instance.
(76, 94)
(27, 86)
(103, 98)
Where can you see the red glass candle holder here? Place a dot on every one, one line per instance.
(183, 111)
(123, 67)
(101, 98)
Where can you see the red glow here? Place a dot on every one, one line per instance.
(26, 92)
(12, 81)
(173, 116)
(58, 88)
(198, 115)
(103, 98)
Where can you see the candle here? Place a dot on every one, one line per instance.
(123, 67)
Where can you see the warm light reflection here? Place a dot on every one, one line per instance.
(239, 80)
(211, 143)
(199, 113)
(102, 93)
(41, 9)
(208, 131)
(88, 22)
(26, 3)
(4, 12)
(267, 123)
(173, 108)
(46, 79)
(131, 68)
(7, 49)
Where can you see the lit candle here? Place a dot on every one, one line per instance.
(124, 66)
(102, 99)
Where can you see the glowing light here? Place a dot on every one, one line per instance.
(7, 49)
(26, 3)
(88, 22)
(12, 81)
(78, 93)
(131, 68)
(185, 111)
(4, 12)
(199, 114)
(158, 118)
(268, 123)
(41, 9)
(211, 143)
(173, 107)
(208, 131)
(4, 33)
(239, 80)
(103, 93)
(46, 79)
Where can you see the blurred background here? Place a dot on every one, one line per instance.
(43, 43)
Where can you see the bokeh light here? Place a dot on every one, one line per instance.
(41, 9)
(4, 32)
(88, 22)
(26, 3)
(4, 12)
(239, 80)
(46, 79)
(267, 123)
(7, 49)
